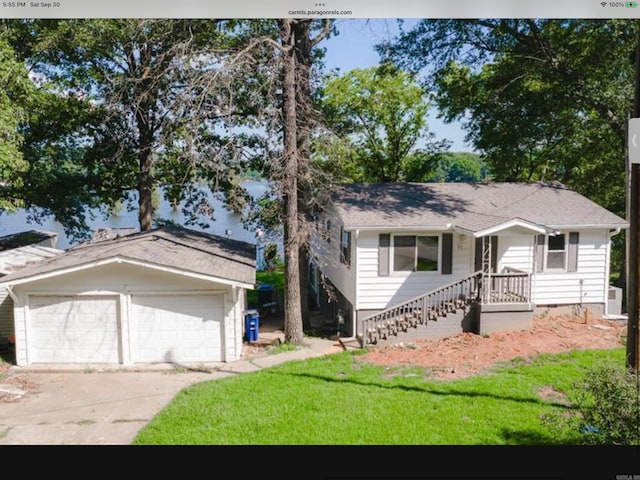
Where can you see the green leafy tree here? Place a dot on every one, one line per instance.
(541, 99)
(43, 140)
(459, 167)
(15, 90)
(158, 100)
(378, 120)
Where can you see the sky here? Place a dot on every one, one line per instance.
(354, 48)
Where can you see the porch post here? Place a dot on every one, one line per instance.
(533, 265)
(486, 268)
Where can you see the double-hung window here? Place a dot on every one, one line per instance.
(557, 252)
(415, 253)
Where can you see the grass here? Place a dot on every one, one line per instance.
(275, 278)
(337, 400)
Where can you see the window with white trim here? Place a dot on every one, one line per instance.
(345, 247)
(415, 253)
(557, 252)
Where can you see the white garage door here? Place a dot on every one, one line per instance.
(66, 329)
(177, 328)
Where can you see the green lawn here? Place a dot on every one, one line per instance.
(337, 400)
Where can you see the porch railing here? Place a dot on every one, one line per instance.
(510, 286)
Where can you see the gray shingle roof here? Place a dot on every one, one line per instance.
(473, 206)
(16, 258)
(171, 246)
(21, 239)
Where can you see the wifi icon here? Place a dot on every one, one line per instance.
(604, 4)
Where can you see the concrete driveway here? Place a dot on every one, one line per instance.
(84, 407)
(76, 408)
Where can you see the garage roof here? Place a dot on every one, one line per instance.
(176, 248)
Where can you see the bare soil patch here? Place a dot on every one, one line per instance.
(469, 354)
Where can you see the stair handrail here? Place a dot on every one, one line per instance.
(423, 299)
(477, 274)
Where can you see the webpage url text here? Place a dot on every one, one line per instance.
(320, 13)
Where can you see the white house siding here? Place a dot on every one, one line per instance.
(6, 316)
(562, 288)
(328, 256)
(376, 292)
(515, 251)
(124, 280)
(234, 324)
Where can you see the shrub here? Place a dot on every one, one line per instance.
(607, 407)
(271, 257)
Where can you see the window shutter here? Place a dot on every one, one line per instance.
(447, 253)
(384, 241)
(572, 261)
(540, 239)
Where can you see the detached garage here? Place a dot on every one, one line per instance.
(169, 295)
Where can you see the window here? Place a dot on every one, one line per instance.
(345, 247)
(413, 253)
(556, 251)
(559, 254)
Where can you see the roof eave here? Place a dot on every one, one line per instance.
(398, 228)
(590, 226)
(534, 228)
(121, 259)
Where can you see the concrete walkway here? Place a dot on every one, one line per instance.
(109, 406)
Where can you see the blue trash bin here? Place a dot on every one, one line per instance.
(251, 325)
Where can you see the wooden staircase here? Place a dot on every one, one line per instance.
(510, 287)
(428, 307)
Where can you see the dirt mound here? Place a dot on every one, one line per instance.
(469, 354)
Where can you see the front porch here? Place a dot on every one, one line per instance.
(481, 303)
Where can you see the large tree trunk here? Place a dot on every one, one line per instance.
(145, 191)
(293, 328)
(304, 118)
(304, 45)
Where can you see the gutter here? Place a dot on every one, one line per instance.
(400, 228)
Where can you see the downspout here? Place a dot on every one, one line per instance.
(354, 314)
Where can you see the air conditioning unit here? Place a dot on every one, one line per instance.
(614, 302)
